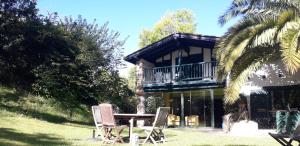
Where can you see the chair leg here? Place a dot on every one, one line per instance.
(148, 135)
(162, 136)
(118, 135)
(107, 135)
(282, 141)
(100, 133)
(153, 140)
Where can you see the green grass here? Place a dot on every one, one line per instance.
(40, 108)
(37, 121)
(16, 129)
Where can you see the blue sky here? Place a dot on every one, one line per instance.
(130, 17)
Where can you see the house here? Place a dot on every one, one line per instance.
(181, 70)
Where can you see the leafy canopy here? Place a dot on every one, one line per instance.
(172, 22)
(267, 30)
(71, 61)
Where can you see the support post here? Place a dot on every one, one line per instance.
(190, 102)
(248, 97)
(182, 111)
(212, 108)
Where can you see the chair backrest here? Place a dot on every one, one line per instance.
(107, 115)
(161, 116)
(96, 115)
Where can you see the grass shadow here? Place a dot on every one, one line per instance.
(225, 145)
(10, 136)
(15, 96)
(41, 116)
(11, 95)
(238, 145)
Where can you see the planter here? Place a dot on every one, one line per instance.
(286, 122)
(281, 121)
(292, 121)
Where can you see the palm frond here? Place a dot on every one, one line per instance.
(258, 7)
(267, 29)
(232, 91)
(237, 7)
(289, 52)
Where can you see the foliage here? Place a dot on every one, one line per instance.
(172, 22)
(94, 58)
(71, 61)
(132, 78)
(19, 26)
(153, 102)
(267, 30)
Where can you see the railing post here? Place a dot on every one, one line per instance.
(171, 74)
(211, 65)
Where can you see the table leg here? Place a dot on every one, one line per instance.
(130, 130)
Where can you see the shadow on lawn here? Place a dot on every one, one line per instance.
(41, 116)
(11, 137)
(13, 96)
(225, 145)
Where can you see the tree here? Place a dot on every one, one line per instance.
(19, 26)
(72, 61)
(172, 22)
(267, 30)
(86, 71)
(132, 78)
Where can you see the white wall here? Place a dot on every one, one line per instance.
(195, 50)
(269, 75)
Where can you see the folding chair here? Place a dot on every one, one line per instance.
(285, 139)
(97, 120)
(155, 132)
(109, 124)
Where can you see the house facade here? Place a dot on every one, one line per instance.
(270, 89)
(181, 68)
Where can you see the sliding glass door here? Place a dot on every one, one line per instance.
(192, 103)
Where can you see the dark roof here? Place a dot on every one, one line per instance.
(170, 43)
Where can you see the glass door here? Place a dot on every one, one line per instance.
(192, 103)
(200, 105)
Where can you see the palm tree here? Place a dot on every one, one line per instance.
(267, 30)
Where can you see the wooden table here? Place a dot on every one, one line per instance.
(131, 118)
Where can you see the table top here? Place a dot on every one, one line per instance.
(137, 116)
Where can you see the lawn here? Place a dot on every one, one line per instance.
(17, 129)
(36, 121)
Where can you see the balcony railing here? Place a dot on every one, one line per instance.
(184, 72)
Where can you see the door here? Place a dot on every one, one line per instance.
(194, 103)
(201, 106)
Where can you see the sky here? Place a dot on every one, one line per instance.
(130, 17)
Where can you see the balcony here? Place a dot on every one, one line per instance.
(202, 72)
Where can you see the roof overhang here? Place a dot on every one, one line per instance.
(170, 43)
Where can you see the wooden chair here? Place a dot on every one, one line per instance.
(155, 132)
(109, 124)
(285, 139)
(98, 121)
